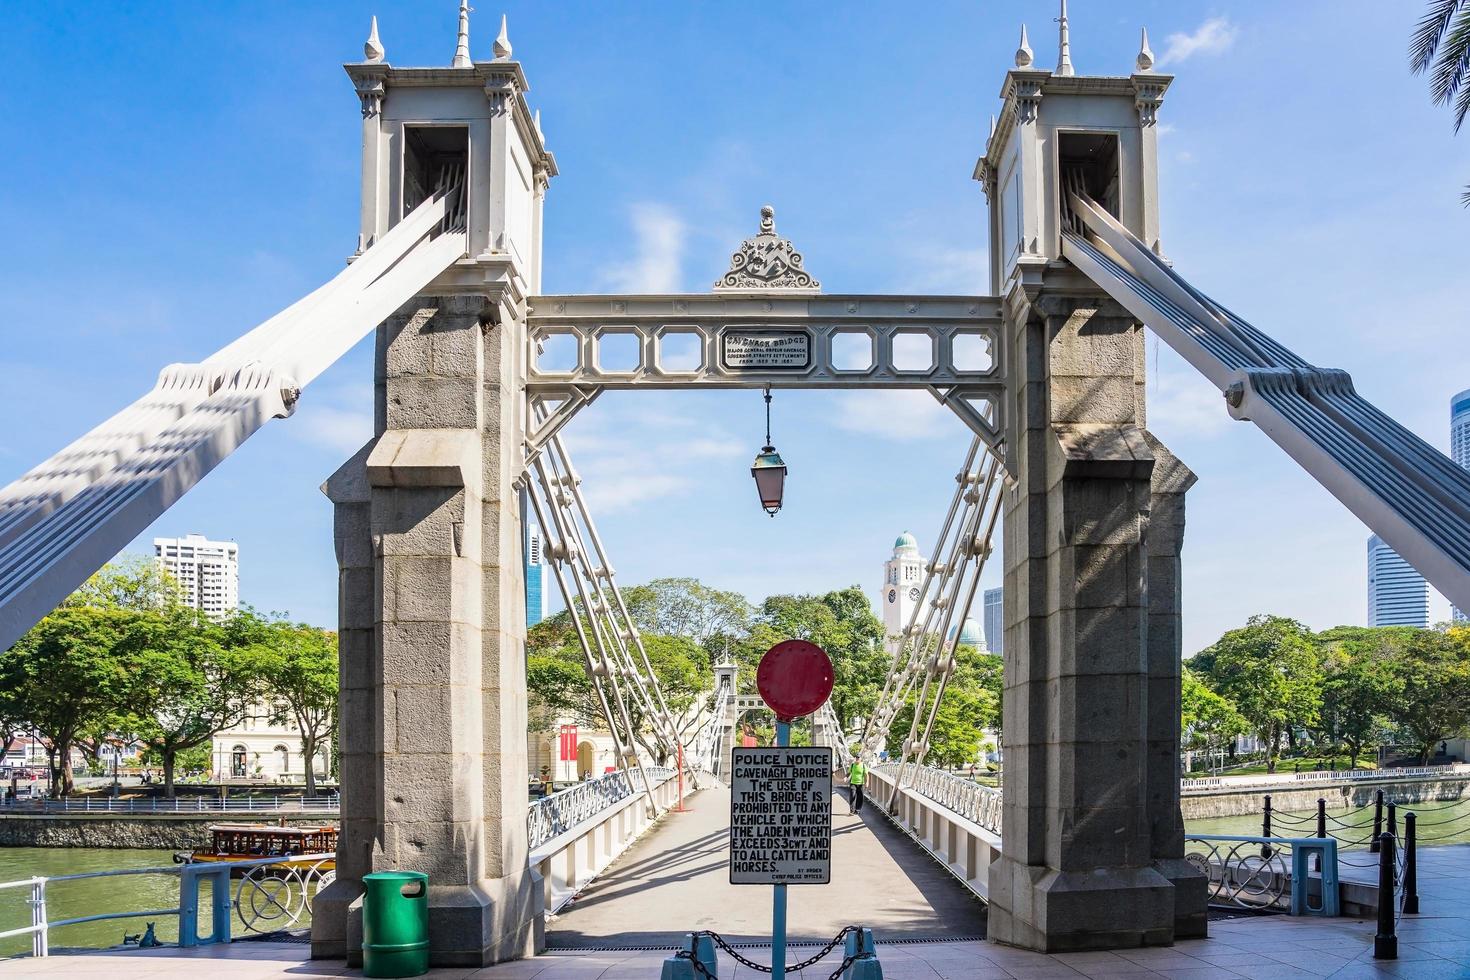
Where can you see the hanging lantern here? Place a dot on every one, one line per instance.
(769, 469)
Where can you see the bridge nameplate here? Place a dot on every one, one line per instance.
(781, 816)
(765, 350)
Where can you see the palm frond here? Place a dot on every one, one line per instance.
(1429, 31)
(1465, 197)
(1452, 65)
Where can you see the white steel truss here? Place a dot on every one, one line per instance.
(925, 657)
(629, 696)
(951, 346)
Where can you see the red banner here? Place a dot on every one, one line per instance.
(568, 745)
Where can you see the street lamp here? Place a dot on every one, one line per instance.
(769, 469)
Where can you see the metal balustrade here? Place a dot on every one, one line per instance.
(551, 816)
(270, 896)
(324, 805)
(976, 803)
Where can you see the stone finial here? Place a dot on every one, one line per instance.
(1145, 60)
(502, 42)
(767, 261)
(536, 122)
(462, 47)
(992, 127)
(1064, 55)
(372, 49)
(1024, 55)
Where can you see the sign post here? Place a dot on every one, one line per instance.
(781, 798)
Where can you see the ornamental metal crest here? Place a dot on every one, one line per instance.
(767, 261)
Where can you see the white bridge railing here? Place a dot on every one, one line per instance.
(955, 820)
(324, 805)
(273, 893)
(551, 816)
(578, 832)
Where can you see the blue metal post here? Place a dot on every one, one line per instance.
(778, 901)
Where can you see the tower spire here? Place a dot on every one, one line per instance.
(1024, 55)
(462, 49)
(1064, 57)
(373, 48)
(1145, 61)
(502, 42)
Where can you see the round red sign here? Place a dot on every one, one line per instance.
(794, 678)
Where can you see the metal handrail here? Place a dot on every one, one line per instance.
(978, 804)
(553, 815)
(199, 804)
(187, 910)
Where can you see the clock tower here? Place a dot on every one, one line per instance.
(902, 575)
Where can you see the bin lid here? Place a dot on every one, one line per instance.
(396, 876)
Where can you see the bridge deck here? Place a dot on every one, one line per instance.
(676, 879)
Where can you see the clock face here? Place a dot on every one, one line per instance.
(914, 594)
(892, 595)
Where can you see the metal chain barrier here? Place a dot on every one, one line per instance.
(847, 961)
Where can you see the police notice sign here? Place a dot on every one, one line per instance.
(781, 816)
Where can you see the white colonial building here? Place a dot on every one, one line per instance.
(265, 747)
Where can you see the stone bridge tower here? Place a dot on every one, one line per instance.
(428, 524)
(1093, 840)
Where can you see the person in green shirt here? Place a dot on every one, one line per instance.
(857, 776)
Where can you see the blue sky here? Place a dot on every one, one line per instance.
(174, 173)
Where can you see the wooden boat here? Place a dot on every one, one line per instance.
(247, 841)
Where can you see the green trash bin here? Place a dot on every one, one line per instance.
(395, 924)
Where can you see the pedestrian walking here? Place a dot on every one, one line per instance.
(857, 777)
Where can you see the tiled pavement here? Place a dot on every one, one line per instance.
(1431, 947)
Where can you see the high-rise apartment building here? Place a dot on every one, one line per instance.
(1460, 453)
(994, 624)
(208, 572)
(1397, 594)
(535, 586)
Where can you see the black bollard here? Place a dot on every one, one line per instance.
(1411, 867)
(1321, 826)
(1266, 825)
(1385, 943)
(1377, 822)
(1393, 820)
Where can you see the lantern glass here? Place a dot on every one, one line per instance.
(770, 478)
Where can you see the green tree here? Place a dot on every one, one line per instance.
(133, 582)
(1269, 670)
(298, 664)
(970, 705)
(841, 623)
(1441, 46)
(1206, 719)
(1358, 683)
(70, 679)
(188, 685)
(1431, 700)
(687, 607)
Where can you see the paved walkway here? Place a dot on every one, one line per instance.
(676, 880)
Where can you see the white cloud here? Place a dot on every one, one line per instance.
(1212, 37)
(894, 414)
(658, 254)
(949, 270)
(1181, 403)
(339, 419)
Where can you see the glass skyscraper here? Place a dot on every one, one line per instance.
(994, 624)
(1397, 594)
(535, 593)
(1460, 452)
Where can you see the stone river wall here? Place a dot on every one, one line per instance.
(1230, 802)
(163, 830)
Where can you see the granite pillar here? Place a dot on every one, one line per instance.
(1081, 867)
